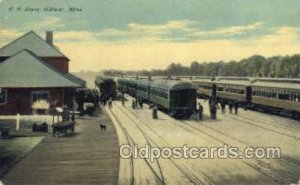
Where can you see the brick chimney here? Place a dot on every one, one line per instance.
(49, 37)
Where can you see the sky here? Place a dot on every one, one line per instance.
(151, 34)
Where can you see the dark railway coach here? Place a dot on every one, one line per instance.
(107, 87)
(177, 97)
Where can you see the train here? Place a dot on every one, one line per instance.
(270, 95)
(107, 87)
(178, 98)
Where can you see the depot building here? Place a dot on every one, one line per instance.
(34, 76)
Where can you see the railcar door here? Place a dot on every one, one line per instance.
(214, 91)
(248, 94)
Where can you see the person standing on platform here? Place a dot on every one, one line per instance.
(211, 109)
(200, 111)
(230, 107)
(236, 107)
(214, 111)
(137, 103)
(123, 101)
(154, 113)
(223, 106)
(133, 104)
(141, 104)
(110, 103)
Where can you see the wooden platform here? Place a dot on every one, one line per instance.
(89, 157)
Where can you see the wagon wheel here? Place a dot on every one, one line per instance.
(172, 113)
(58, 134)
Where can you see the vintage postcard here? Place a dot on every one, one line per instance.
(136, 92)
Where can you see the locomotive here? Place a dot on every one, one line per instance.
(107, 87)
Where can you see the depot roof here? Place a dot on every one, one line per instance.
(26, 70)
(33, 42)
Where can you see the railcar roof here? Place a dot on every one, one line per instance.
(100, 79)
(233, 81)
(282, 83)
(127, 80)
(143, 82)
(202, 80)
(173, 84)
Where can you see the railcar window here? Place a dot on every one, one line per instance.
(283, 95)
(142, 88)
(159, 92)
(205, 86)
(234, 89)
(220, 89)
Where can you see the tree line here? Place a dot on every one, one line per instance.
(254, 66)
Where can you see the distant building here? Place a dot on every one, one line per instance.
(34, 74)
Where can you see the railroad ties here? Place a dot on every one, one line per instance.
(136, 127)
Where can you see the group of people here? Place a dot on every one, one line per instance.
(137, 103)
(214, 106)
(234, 106)
(231, 105)
(86, 96)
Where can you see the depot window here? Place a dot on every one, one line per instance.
(40, 95)
(3, 96)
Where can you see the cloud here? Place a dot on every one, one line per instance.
(154, 54)
(52, 21)
(171, 31)
(142, 46)
(7, 35)
(44, 23)
(235, 29)
(170, 25)
(182, 31)
(75, 36)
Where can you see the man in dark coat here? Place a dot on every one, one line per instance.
(223, 106)
(200, 111)
(236, 107)
(230, 107)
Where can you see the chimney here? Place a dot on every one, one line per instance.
(49, 37)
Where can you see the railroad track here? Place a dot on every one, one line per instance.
(259, 126)
(259, 165)
(250, 121)
(159, 178)
(192, 178)
(286, 159)
(276, 126)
